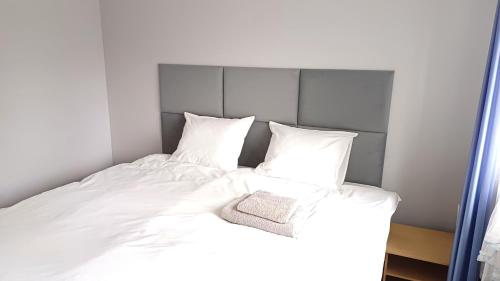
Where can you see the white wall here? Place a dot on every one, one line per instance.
(54, 120)
(437, 48)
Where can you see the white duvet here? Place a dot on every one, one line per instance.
(158, 220)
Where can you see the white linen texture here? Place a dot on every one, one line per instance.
(308, 156)
(211, 141)
(156, 219)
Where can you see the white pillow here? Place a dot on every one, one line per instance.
(210, 141)
(308, 156)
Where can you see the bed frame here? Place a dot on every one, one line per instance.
(325, 99)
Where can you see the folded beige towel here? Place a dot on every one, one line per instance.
(231, 214)
(269, 206)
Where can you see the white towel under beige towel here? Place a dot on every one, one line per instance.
(269, 206)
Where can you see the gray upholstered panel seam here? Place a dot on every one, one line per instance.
(172, 125)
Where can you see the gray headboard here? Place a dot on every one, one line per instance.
(352, 100)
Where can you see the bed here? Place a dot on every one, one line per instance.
(157, 219)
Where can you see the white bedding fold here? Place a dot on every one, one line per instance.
(157, 220)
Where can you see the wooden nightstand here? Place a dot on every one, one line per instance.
(417, 254)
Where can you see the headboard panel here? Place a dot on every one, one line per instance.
(351, 100)
(192, 88)
(345, 99)
(260, 91)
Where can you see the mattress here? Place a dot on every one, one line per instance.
(155, 219)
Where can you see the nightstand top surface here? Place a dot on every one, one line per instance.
(420, 243)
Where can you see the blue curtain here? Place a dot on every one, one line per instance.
(481, 175)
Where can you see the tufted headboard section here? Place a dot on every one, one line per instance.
(323, 99)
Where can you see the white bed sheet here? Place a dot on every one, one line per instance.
(158, 220)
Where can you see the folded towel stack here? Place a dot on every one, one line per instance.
(266, 211)
(268, 206)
